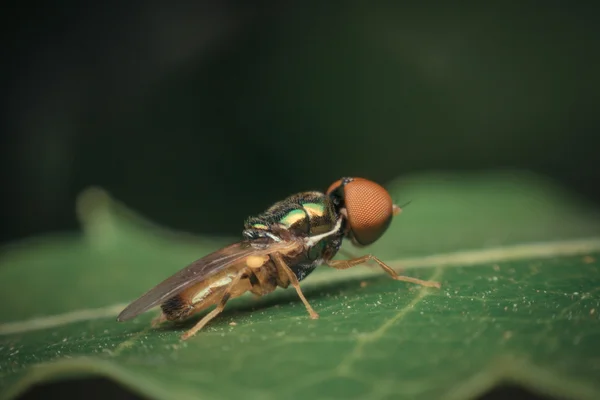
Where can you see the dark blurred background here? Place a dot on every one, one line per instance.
(200, 113)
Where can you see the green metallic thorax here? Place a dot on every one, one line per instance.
(303, 214)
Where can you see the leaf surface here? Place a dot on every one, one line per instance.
(517, 258)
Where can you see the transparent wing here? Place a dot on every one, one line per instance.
(202, 269)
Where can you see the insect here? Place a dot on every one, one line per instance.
(280, 247)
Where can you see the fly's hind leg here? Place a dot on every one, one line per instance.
(283, 267)
(345, 264)
(159, 320)
(220, 306)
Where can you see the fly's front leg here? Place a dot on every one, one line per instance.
(283, 267)
(220, 306)
(345, 264)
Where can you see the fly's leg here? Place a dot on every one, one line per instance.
(283, 267)
(345, 264)
(159, 320)
(220, 306)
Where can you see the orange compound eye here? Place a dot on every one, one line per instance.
(369, 208)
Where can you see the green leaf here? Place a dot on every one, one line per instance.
(516, 255)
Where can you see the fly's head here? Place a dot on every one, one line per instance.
(366, 207)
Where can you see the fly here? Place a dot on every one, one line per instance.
(280, 247)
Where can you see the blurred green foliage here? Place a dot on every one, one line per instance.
(203, 114)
